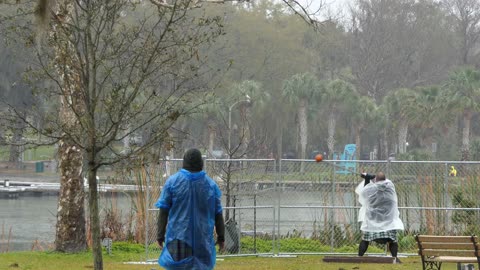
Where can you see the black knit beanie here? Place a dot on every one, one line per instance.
(192, 160)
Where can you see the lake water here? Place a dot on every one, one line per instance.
(25, 220)
(28, 220)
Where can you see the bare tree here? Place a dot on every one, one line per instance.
(398, 43)
(466, 14)
(108, 66)
(120, 68)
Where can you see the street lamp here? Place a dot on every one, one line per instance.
(247, 100)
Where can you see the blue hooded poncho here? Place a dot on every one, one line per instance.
(193, 200)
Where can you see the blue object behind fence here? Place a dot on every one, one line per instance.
(348, 154)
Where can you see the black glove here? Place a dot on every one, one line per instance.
(367, 176)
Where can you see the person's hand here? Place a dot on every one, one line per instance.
(367, 176)
(160, 244)
(221, 247)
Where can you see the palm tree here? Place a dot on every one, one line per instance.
(336, 97)
(463, 96)
(363, 112)
(251, 90)
(212, 111)
(383, 123)
(299, 89)
(429, 114)
(400, 106)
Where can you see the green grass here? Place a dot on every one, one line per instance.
(40, 153)
(31, 154)
(58, 261)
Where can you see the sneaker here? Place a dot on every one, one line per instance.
(397, 260)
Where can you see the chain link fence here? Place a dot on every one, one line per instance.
(308, 207)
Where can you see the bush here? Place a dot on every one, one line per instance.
(128, 247)
(302, 245)
(263, 245)
(407, 243)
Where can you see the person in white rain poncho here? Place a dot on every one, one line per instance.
(379, 213)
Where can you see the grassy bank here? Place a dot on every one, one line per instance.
(58, 261)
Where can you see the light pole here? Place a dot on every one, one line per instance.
(230, 123)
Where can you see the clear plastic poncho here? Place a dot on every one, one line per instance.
(193, 200)
(379, 207)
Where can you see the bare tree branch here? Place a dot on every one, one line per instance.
(309, 12)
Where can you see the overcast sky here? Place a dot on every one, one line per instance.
(335, 7)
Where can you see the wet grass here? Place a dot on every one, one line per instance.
(59, 261)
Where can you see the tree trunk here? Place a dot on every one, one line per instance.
(92, 152)
(302, 119)
(211, 137)
(94, 217)
(331, 134)
(402, 137)
(70, 230)
(228, 199)
(279, 138)
(15, 148)
(126, 140)
(245, 115)
(358, 130)
(385, 151)
(467, 119)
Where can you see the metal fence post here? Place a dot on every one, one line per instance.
(147, 202)
(275, 171)
(332, 202)
(277, 188)
(445, 195)
(273, 232)
(389, 162)
(239, 231)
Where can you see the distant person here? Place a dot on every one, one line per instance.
(379, 213)
(190, 208)
(453, 171)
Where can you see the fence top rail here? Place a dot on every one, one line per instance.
(337, 160)
(436, 162)
(250, 207)
(225, 159)
(320, 206)
(388, 161)
(236, 159)
(236, 207)
(334, 160)
(358, 207)
(340, 207)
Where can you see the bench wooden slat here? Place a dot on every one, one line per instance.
(445, 252)
(456, 249)
(453, 259)
(435, 245)
(445, 239)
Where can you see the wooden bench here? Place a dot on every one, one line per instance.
(436, 250)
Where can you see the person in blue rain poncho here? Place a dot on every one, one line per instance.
(379, 213)
(190, 208)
